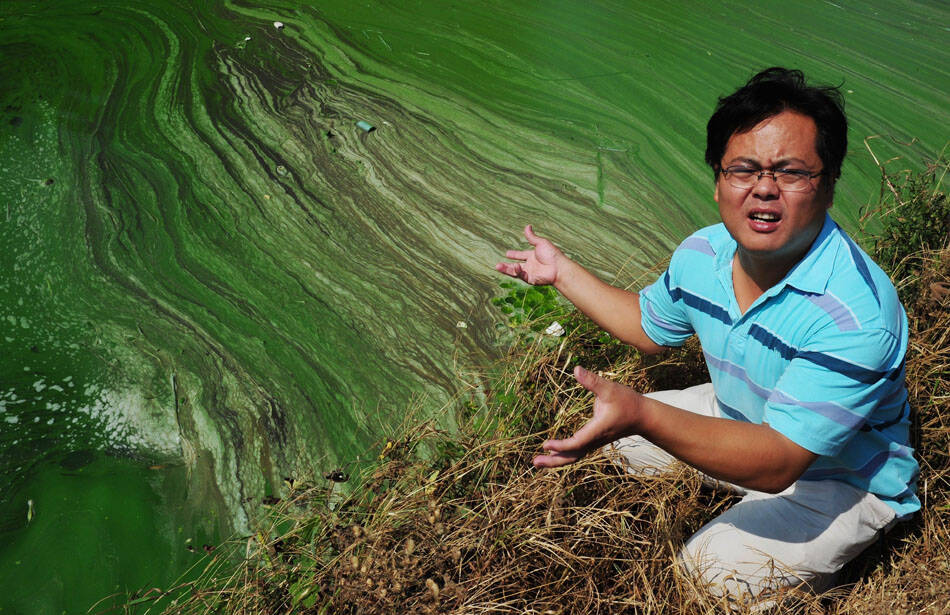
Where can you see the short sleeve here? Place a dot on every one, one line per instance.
(663, 318)
(832, 386)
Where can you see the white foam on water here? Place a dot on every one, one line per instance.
(131, 421)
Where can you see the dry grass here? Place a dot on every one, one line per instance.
(460, 523)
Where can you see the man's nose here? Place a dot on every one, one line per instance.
(765, 185)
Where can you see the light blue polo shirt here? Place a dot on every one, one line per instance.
(819, 357)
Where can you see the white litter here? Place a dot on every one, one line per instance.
(461, 324)
(555, 329)
(279, 25)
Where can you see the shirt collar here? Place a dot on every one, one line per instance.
(809, 275)
(812, 273)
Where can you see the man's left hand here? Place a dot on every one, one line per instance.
(615, 412)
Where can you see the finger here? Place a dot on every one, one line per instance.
(588, 379)
(512, 269)
(530, 236)
(589, 437)
(518, 255)
(555, 460)
(556, 446)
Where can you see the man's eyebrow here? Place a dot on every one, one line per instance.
(784, 161)
(748, 161)
(781, 162)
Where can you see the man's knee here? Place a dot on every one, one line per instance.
(640, 456)
(724, 566)
(799, 538)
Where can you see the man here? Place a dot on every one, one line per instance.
(806, 415)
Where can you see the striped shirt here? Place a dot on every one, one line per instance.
(819, 357)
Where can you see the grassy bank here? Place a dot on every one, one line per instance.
(459, 522)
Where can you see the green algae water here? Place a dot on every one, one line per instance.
(214, 279)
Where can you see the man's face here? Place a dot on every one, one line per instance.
(771, 226)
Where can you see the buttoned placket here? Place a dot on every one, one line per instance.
(739, 328)
(735, 341)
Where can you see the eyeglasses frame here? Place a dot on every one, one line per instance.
(771, 172)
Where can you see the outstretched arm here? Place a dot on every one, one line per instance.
(616, 310)
(749, 455)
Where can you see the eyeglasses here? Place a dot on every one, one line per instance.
(790, 180)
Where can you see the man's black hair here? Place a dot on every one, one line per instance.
(769, 93)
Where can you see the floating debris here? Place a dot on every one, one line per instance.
(279, 25)
(281, 170)
(555, 329)
(337, 476)
(365, 126)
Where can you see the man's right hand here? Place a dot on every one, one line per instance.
(615, 309)
(539, 266)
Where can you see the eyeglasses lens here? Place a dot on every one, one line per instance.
(790, 182)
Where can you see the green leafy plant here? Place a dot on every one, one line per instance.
(915, 217)
(533, 306)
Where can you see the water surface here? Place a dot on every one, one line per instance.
(213, 279)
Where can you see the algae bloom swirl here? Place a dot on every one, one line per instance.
(235, 252)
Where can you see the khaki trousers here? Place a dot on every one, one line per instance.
(768, 542)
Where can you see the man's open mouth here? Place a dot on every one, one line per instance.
(762, 216)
